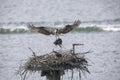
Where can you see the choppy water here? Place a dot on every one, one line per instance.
(57, 10)
(104, 59)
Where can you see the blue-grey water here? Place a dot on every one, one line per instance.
(57, 10)
(104, 58)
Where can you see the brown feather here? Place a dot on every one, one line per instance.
(69, 28)
(54, 31)
(42, 30)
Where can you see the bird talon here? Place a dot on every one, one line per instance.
(58, 42)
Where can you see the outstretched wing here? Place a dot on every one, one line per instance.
(42, 30)
(54, 31)
(69, 28)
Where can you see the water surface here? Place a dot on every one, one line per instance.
(104, 59)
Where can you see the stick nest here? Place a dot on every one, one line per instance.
(56, 60)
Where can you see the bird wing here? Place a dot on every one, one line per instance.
(69, 28)
(50, 30)
(42, 30)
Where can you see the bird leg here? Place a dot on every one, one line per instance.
(57, 36)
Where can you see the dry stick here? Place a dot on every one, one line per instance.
(84, 73)
(36, 58)
(32, 52)
(23, 72)
(34, 55)
(21, 76)
(74, 47)
(84, 52)
(72, 74)
(25, 76)
(79, 75)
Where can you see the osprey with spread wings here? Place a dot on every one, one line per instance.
(54, 31)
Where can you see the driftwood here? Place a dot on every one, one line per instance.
(55, 63)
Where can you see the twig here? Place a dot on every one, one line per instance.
(84, 52)
(25, 75)
(79, 74)
(32, 52)
(72, 74)
(34, 56)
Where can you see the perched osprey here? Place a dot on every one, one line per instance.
(54, 31)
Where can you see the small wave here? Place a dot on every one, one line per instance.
(88, 29)
(24, 30)
(6, 30)
(82, 28)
